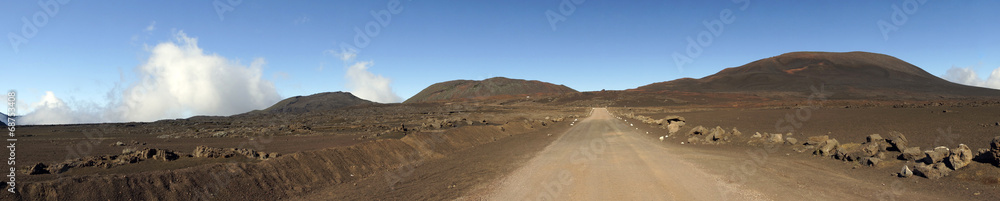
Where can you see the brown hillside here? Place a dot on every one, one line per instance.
(497, 86)
(849, 75)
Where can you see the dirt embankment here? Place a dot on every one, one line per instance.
(276, 178)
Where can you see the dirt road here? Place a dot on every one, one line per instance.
(604, 158)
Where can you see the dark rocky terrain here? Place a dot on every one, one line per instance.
(497, 87)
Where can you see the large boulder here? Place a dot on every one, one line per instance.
(995, 149)
(960, 157)
(674, 127)
(911, 154)
(873, 138)
(870, 149)
(937, 155)
(697, 130)
(828, 148)
(848, 151)
(817, 140)
(932, 171)
(898, 141)
(792, 141)
(775, 138)
(716, 134)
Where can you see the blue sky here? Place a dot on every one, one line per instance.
(90, 55)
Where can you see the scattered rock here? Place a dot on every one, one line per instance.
(898, 141)
(791, 141)
(960, 157)
(873, 138)
(119, 143)
(673, 128)
(38, 168)
(937, 155)
(817, 140)
(872, 161)
(932, 171)
(911, 154)
(828, 148)
(847, 151)
(697, 130)
(995, 149)
(776, 138)
(756, 135)
(736, 132)
(692, 139)
(905, 172)
(716, 134)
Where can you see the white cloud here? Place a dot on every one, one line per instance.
(52, 110)
(178, 80)
(151, 27)
(369, 86)
(969, 77)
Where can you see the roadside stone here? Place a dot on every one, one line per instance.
(875, 138)
(736, 132)
(697, 130)
(38, 168)
(905, 172)
(960, 157)
(937, 155)
(828, 148)
(673, 128)
(932, 171)
(995, 149)
(756, 135)
(870, 148)
(898, 140)
(817, 140)
(792, 141)
(692, 140)
(776, 138)
(911, 154)
(846, 151)
(716, 134)
(872, 161)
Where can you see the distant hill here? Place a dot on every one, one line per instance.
(847, 75)
(497, 86)
(3, 119)
(317, 102)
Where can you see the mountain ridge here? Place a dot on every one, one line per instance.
(492, 87)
